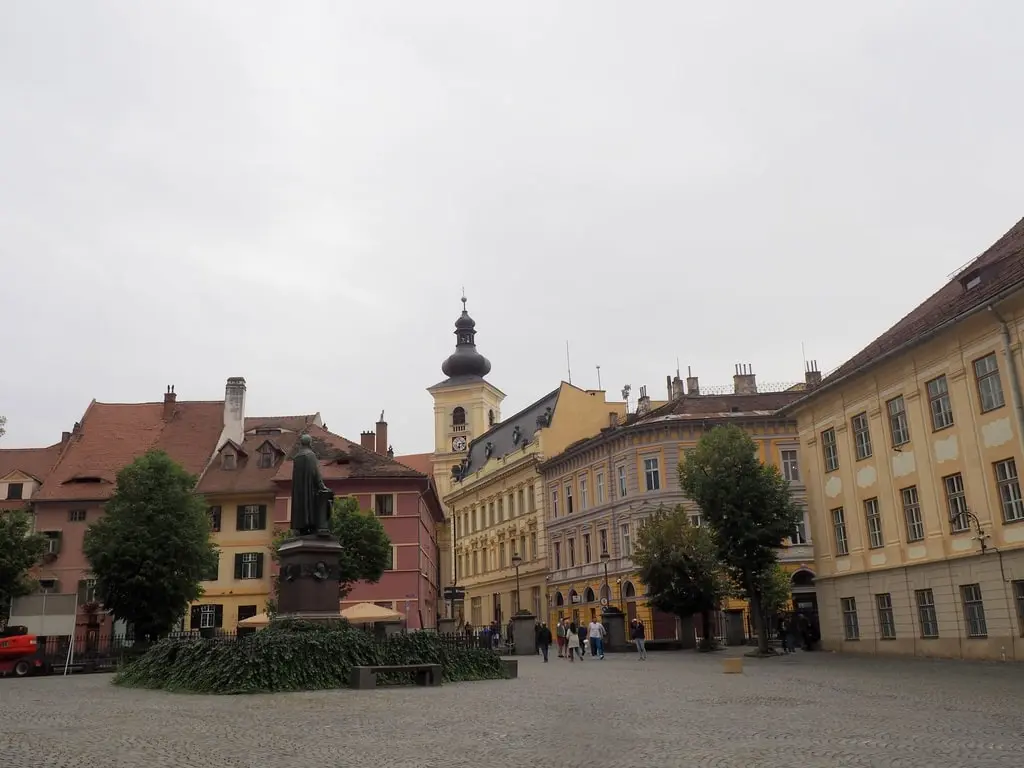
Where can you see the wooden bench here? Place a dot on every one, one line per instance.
(424, 674)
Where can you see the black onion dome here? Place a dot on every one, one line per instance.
(465, 361)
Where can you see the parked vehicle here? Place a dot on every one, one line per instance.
(20, 653)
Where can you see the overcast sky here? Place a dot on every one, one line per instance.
(297, 192)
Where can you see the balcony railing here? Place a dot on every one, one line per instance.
(458, 427)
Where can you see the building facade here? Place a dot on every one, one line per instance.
(911, 452)
(599, 492)
(23, 472)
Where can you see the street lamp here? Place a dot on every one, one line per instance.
(605, 557)
(516, 562)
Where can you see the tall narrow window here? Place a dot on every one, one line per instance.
(602, 540)
(939, 404)
(554, 503)
(926, 615)
(861, 436)
(839, 531)
(829, 450)
(974, 610)
(1009, 490)
(956, 502)
(599, 487)
(886, 620)
(874, 522)
(621, 469)
(990, 388)
(800, 529)
(851, 627)
(790, 466)
(627, 544)
(572, 551)
(912, 514)
(586, 549)
(583, 493)
(568, 498)
(899, 428)
(652, 474)
(557, 549)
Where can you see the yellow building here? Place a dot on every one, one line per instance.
(245, 513)
(600, 490)
(911, 453)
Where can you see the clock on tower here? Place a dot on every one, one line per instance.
(458, 444)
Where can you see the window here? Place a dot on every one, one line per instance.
(266, 456)
(247, 612)
(15, 491)
(800, 530)
(621, 470)
(696, 520)
(458, 417)
(1018, 594)
(599, 487)
(829, 450)
(392, 563)
(627, 544)
(76, 515)
(926, 615)
(602, 540)
(938, 403)
(523, 552)
(554, 503)
(384, 504)
(990, 389)
(501, 555)
(572, 551)
(87, 591)
(249, 565)
(583, 493)
(227, 460)
(790, 467)
(490, 514)
(851, 628)
(956, 500)
(652, 475)
(520, 505)
(52, 542)
(534, 554)
(899, 428)
(912, 514)
(558, 555)
(974, 610)
(476, 562)
(214, 513)
(874, 521)
(251, 517)
(207, 616)
(839, 529)
(568, 498)
(586, 549)
(1009, 490)
(501, 511)
(886, 621)
(861, 436)
(48, 586)
(531, 499)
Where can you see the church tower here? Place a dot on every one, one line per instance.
(465, 406)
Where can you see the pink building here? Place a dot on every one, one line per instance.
(406, 502)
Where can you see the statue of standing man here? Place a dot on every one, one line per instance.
(311, 499)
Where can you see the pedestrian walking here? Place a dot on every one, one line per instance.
(572, 643)
(636, 632)
(582, 632)
(560, 636)
(595, 633)
(544, 640)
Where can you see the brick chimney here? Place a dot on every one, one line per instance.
(674, 387)
(169, 400)
(367, 441)
(744, 382)
(65, 437)
(382, 435)
(692, 385)
(643, 403)
(234, 412)
(812, 375)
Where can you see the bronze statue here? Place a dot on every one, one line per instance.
(311, 499)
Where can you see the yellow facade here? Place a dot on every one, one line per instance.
(228, 591)
(498, 508)
(912, 468)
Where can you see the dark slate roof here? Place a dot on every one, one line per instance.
(500, 436)
(454, 381)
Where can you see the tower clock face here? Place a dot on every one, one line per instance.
(458, 443)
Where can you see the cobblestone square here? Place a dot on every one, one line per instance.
(809, 710)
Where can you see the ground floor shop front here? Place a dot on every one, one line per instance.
(498, 600)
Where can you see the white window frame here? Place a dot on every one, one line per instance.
(899, 427)
(207, 617)
(250, 561)
(974, 610)
(830, 449)
(839, 534)
(790, 459)
(861, 436)
(990, 387)
(599, 487)
(652, 473)
(251, 517)
(873, 520)
(583, 492)
(939, 404)
(627, 541)
(912, 516)
(1008, 485)
(621, 479)
(956, 503)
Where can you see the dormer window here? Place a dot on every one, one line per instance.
(266, 456)
(971, 280)
(228, 460)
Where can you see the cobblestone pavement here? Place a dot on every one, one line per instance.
(811, 710)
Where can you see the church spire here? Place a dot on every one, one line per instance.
(465, 361)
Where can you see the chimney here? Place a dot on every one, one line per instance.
(366, 439)
(169, 400)
(692, 385)
(65, 437)
(382, 435)
(643, 403)
(613, 419)
(744, 382)
(812, 375)
(234, 411)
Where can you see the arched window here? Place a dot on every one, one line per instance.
(606, 592)
(802, 578)
(573, 594)
(629, 590)
(459, 415)
(559, 600)
(588, 595)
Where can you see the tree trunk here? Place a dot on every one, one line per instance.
(758, 616)
(708, 642)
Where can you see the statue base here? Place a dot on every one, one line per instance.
(308, 581)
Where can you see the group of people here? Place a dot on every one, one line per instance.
(574, 640)
(797, 630)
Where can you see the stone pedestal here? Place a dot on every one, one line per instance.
(524, 633)
(615, 631)
(308, 585)
(446, 626)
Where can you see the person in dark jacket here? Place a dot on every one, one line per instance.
(637, 634)
(544, 640)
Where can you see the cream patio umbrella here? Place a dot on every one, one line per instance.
(258, 621)
(367, 613)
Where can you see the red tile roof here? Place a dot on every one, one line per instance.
(34, 462)
(112, 435)
(1000, 268)
(341, 459)
(421, 462)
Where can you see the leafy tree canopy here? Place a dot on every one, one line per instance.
(776, 590)
(152, 548)
(20, 551)
(3, 426)
(746, 503)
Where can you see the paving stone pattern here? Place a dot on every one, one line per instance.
(811, 710)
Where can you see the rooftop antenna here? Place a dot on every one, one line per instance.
(803, 355)
(599, 378)
(568, 366)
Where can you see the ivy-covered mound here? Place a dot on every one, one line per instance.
(291, 655)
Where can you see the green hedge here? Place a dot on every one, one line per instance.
(297, 656)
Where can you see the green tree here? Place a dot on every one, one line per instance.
(3, 426)
(748, 506)
(365, 547)
(776, 590)
(20, 551)
(152, 548)
(679, 564)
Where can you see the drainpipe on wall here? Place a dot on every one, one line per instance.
(1015, 392)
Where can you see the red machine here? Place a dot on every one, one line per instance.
(19, 653)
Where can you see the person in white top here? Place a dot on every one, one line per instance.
(595, 633)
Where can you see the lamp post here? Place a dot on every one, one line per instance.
(605, 557)
(516, 562)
